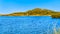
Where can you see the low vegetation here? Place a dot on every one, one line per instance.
(36, 12)
(56, 31)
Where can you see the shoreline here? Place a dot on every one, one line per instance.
(36, 15)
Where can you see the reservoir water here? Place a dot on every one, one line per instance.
(28, 24)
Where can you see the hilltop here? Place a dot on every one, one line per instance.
(36, 12)
(33, 12)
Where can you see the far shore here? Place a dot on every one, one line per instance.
(35, 12)
(35, 15)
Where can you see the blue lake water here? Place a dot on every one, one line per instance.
(28, 24)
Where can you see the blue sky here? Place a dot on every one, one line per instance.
(9, 6)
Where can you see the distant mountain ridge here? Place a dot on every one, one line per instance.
(33, 12)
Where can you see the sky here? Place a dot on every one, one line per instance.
(10, 6)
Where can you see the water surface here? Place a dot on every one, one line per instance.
(28, 24)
